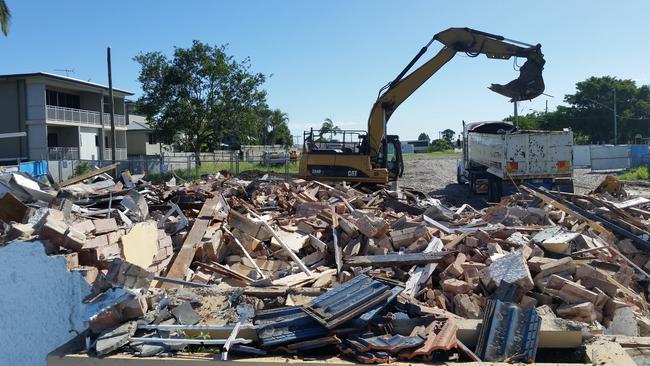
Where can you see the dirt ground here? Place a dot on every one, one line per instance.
(437, 177)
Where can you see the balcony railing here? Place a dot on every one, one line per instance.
(64, 114)
(63, 153)
(120, 154)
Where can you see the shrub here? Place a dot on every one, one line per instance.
(440, 145)
(82, 168)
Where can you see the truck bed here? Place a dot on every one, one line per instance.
(523, 154)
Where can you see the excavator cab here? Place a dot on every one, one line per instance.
(392, 159)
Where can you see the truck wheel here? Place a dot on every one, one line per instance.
(494, 189)
(472, 183)
(459, 177)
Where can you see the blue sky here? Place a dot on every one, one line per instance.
(329, 58)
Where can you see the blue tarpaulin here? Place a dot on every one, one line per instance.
(639, 155)
(36, 169)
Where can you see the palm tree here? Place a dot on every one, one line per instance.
(328, 126)
(277, 122)
(5, 17)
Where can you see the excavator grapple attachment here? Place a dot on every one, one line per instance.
(528, 85)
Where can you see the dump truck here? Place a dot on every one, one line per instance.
(498, 154)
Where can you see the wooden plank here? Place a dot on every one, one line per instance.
(422, 273)
(395, 259)
(182, 260)
(338, 255)
(87, 175)
(596, 226)
(257, 268)
(291, 253)
(631, 202)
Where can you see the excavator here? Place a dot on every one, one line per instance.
(373, 157)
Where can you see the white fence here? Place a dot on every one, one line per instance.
(64, 114)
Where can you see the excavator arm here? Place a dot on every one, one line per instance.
(528, 85)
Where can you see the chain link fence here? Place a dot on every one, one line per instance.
(280, 164)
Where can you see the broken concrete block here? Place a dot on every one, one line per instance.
(185, 314)
(140, 245)
(573, 293)
(61, 234)
(372, 227)
(535, 263)
(12, 209)
(584, 312)
(455, 269)
(456, 286)
(627, 247)
(103, 226)
(134, 308)
(439, 212)
(405, 237)
(20, 231)
(471, 242)
(466, 307)
(511, 268)
(565, 264)
(250, 243)
(623, 323)
(85, 226)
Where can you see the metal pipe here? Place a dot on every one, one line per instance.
(189, 341)
(193, 327)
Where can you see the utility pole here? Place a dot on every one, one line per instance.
(615, 120)
(515, 104)
(112, 109)
(546, 109)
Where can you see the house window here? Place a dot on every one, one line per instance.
(61, 99)
(96, 140)
(52, 140)
(152, 139)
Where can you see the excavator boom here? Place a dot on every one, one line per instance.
(528, 85)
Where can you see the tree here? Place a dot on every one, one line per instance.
(448, 135)
(278, 128)
(440, 145)
(201, 97)
(423, 136)
(328, 126)
(5, 17)
(590, 113)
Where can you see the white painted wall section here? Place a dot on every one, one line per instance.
(40, 306)
(88, 150)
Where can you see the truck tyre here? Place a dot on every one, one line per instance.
(472, 183)
(459, 177)
(494, 189)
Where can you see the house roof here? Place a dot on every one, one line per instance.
(137, 123)
(62, 78)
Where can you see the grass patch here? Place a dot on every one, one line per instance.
(433, 155)
(212, 168)
(640, 173)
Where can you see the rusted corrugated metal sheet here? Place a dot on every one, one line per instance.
(508, 333)
(286, 325)
(347, 301)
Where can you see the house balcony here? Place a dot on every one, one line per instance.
(63, 153)
(120, 154)
(82, 116)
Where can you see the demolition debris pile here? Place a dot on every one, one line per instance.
(271, 267)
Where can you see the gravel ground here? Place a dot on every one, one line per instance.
(437, 177)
